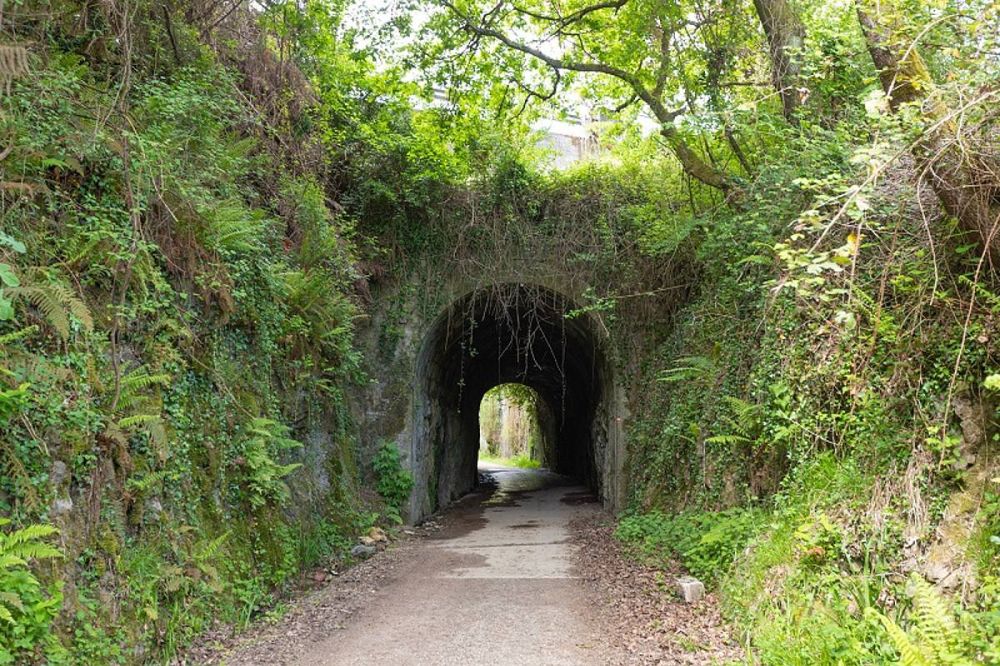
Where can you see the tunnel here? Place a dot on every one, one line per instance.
(513, 333)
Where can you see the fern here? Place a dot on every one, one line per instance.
(910, 654)
(17, 335)
(204, 553)
(744, 424)
(934, 638)
(137, 410)
(687, 368)
(136, 381)
(229, 227)
(17, 548)
(129, 422)
(56, 302)
(265, 440)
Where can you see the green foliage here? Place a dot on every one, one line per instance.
(992, 382)
(256, 459)
(521, 461)
(510, 427)
(687, 368)
(12, 400)
(933, 638)
(393, 482)
(706, 543)
(177, 281)
(744, 425)
(55, 301)
(26, 610)
(192, 220)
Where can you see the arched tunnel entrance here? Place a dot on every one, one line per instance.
(513, 333)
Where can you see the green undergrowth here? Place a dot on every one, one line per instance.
(394, 482)
(801, 438)
(522, 461)
(705, 542)
(177, 328)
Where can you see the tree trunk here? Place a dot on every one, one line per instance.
(696, 167)
(968, 190)
(785, 36)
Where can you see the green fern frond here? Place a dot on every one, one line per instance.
(205, 551)
(687, 368)
(140, 378)
(746, 412)
(56, 302)
(129, 422)
(933, 638)
(29, 533)
(230, 226)
(910, 654)
(727, 440)
(132, 385)
(934, 622)
(25, 544)
(16, 549)
(48, 304)
(6, 615)
(8, 561)
(34, 550)
(17, 335)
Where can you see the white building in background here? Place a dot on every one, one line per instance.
(570, 141)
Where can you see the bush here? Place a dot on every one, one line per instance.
(394, 482)
(705, 542)
(26, 611)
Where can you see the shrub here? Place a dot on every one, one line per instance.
(705, 542)
(394, 482)
(26, 611)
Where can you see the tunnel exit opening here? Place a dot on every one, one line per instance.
(516, 427)
(513, 334)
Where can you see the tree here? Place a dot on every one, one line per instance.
(642, 49)
(785, 38)
(966, 185)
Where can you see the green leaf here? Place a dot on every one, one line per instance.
(12, 243)
(992, 382)
(8, 277)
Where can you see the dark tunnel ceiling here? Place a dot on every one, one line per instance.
(518, 333)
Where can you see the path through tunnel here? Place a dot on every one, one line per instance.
(512, 333)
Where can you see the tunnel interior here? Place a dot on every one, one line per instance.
(508, 333)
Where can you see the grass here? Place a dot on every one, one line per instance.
(522, 461)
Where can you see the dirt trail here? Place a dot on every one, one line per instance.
(504, 581)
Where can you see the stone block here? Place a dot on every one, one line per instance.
(690, 589)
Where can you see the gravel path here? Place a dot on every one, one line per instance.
(527, 573)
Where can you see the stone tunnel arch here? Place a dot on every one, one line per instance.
(513, 333)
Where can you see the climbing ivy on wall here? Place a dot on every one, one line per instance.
(179, 290)
(201, 203)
